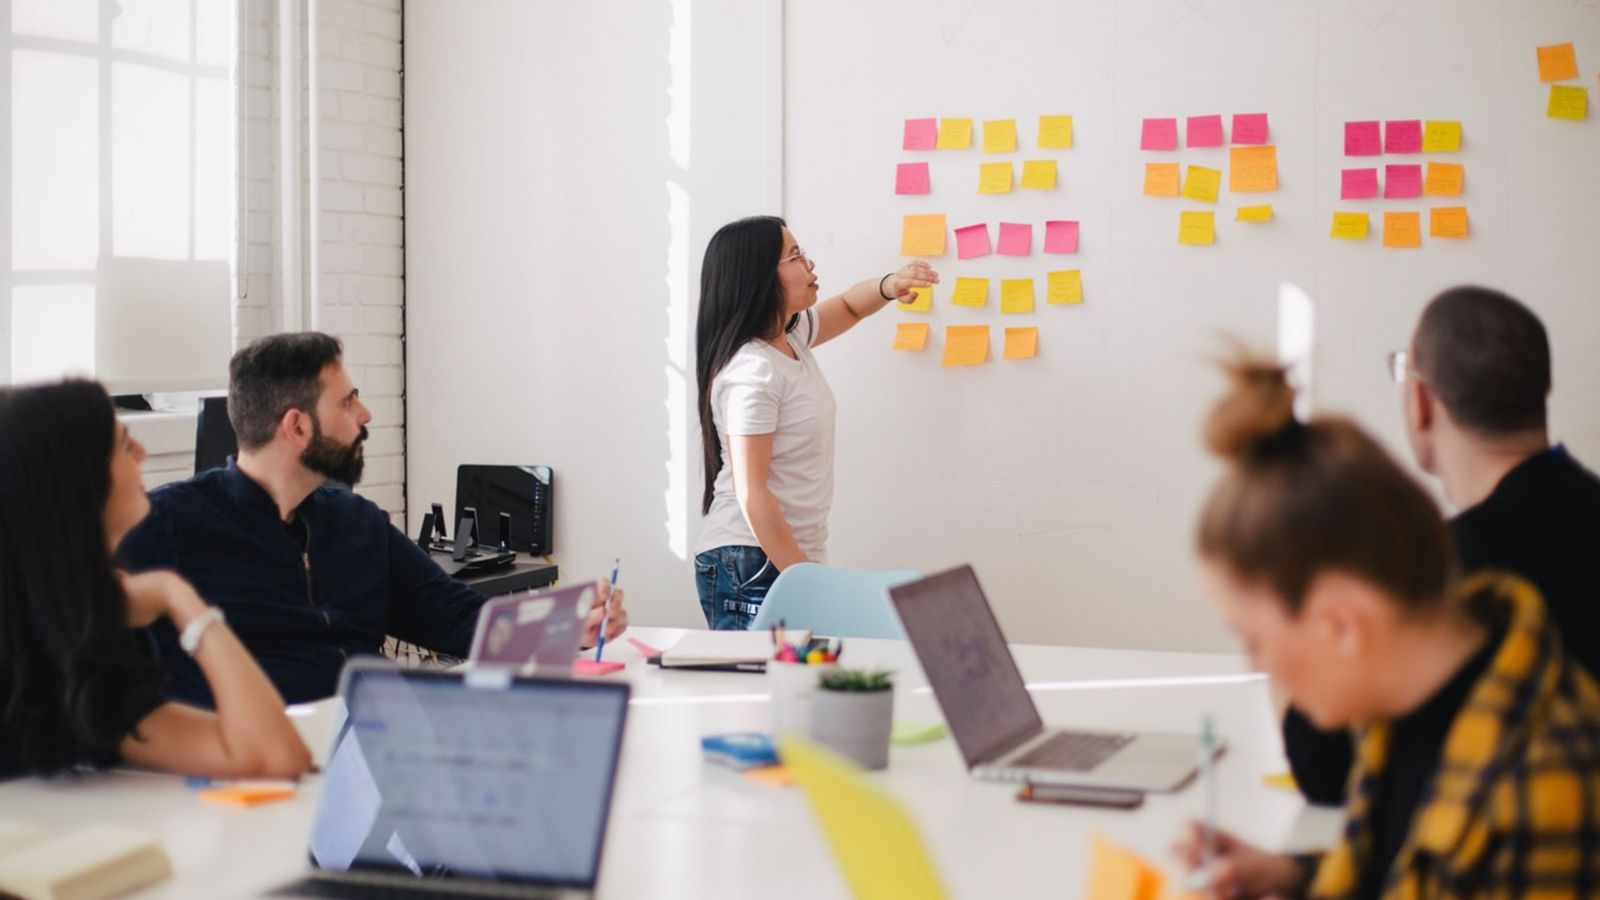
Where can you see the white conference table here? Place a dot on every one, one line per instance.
(683, 828)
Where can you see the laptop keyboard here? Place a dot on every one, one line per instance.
(356, 890)
(1072, 751)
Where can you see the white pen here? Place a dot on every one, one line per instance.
(1201, 877)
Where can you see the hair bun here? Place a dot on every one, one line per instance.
(1257, 409)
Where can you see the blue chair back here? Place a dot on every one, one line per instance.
(834, 602)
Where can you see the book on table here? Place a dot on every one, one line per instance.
(93, 863)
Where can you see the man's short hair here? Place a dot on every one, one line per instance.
(274, 375)
(1486, 357)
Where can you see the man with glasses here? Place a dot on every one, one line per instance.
(1474, 383)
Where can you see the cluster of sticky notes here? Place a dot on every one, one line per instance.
(1559, 62)
(1202, 131)
(1401, 181)
(1402, 229)
(999, 136)
(968, 345)
(1015, 238)
(1372, 137)
(1252, 167)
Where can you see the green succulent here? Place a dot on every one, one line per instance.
(861, 681)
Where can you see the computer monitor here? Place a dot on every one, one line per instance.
(214, 440)
(526, 493)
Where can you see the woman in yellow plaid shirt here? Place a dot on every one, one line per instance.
(1478, 768)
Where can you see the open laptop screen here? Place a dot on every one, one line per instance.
(486, 777)
(957, 640)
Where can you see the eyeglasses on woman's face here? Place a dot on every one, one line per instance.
(800, 255)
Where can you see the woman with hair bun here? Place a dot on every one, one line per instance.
(1478, 765)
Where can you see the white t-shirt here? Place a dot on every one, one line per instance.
(763, 391)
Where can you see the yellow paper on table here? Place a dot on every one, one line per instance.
(871, 834)
(1444, 179)
(1283, 781)
(1021, 343)
(1197, 227)
(1253, 169)
(1016, 295)
(1568, 102)
(910, 336)
(1201, 183)
(1557, 62)
(1349, 226)
(1402, 229)
(965, 345)
(1039, 174)
(994, 178)
(1161, 179)
(1064, 287)
(1447, 222)
(1055, 132)
(1441, 137)
(1253, 214)
(999, 135)
(954, 134)
(921, 300)
(970, 292)
(1116, 873)
(923, 235)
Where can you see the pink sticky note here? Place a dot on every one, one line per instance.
(911, 178)
(1159, 134)
(972, 240)
(1358, 184)
(1401, 182)
(1016, 239)
(644, 648)
(1362, 139)
(1204, 131)
(1249, 128)
(1402, 136)
(1061, 237)
(588, 665)
(921, 134)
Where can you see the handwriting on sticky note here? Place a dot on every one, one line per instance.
(1349, 226)
(994, 178)
(1016, 295)
(1444, 179)
(922, 235)
(972, 241)
(1402, 229)
(910, 336)
(1203, 131)
(1039, 174)
(1441, 137)
(1254, 214)
(911, 178)
(955, 134)
(1250, 128)
(1447, 222)
(921, 134)
(1055, 132)
(1358, 184)
(1568, 102)
(1402, 136)
(1253, 169)
(1159, 134)
(1362, 139)
(966, 345)
(921, 300)
(1201, 183)
(970, 292)
(1161, 179)
(1402, 182)
(1021, 343)
(1557, 62)
(1197, 227)
(1064, 287)
(1061, 236)
(999, 135)
(1016, 239)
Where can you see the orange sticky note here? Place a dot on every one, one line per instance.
(1064, 287)
(1402, 229)
(910, 336)
(922, 235)
(921, 300)
(1197, 228)
(1021, 343)
(1349, 226)
(954, 134)
(1119, 874)
(1447, 222)
(1016, 295)
(1161, 179)
(1558, 62)
(1253, 169)
(1444, 179)
(246, 795)
(966, 345)
(777, 776)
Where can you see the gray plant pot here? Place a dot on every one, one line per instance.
(854, 724)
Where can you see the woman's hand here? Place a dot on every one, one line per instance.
(913, 274)
(1238, 870)
(154, 595)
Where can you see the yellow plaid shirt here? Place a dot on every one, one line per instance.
(1514, 809)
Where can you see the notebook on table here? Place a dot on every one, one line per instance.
(725, 651)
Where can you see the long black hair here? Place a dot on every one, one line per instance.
(741, 300)
(73, 677)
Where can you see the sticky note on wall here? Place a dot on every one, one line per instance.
(994, 178)
(1039, 174)
(1402, 182)
(1253, 169)
(921, 134)
(922, 235)
(1402, 229)
(1055, 132)
(911, 178)
(1447, 222)
(1358, 184)
(910, 336)
(1161, 179)
(1158, 134)
(972, 241)
(1441, 137)
(999, 135)
(1250, 128)
(1402, 136)
(1444, 179)
(970, 292)
(1349, 226)
(1203, 131)
(1254, 214)
(1061, 236)
(1557, 62)
(1016, 239)
(955, 134)
(921, 300)
(1064, 287)
(1021, 343)
(1016, 295)
(1568, 102)
(1362, 139)
(966, 345)
(1201, 183)
(1197, 227)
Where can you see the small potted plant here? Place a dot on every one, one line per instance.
(853, 714)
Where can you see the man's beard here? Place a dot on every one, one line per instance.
(331, 459)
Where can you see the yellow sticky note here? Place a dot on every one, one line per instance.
(1021, 343)
(954, 134)
(1444, 179)
(1161, 179)
(1254, 214)
(1055, 132)
(1557, 62)
(994, 178)
(1402, 229)
(910, 336)
(1283, 781)
(871, 834)
(1064, 287)
(1349, 226)
(970, 292)
(1016, 295)
(1197, 227)
(999, 135)
(1039, 174)
(1441, 137)
(1568, 102)
(965, 345)
(1119, 874)
(1201, 183)
(1253, 169)
(1447, 222)
(921, 300)
(922, 235)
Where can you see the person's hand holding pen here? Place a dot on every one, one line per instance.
(1237, 869)
(616, 622)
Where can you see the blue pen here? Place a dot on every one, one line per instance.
(600, 645)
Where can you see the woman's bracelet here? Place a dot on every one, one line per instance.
(880, 287)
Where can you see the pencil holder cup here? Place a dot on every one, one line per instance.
(793, 687)
(854, 721)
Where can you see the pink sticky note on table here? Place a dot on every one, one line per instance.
(1402, 136)
(1362, 139)
(911, 178)
(921, 134)
(1249, 128)
(972, 240)
(589, 666)
(1016, 239)
(1159, 134)
(1061, 237)
(644, 648)
(1204, 131)
(1358, 184)
(1401, 182)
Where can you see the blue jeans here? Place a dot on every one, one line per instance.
(732, 582)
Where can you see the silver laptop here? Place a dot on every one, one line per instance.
(987, 707)
(475, 784)
(533, 632)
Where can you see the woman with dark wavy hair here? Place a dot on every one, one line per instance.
(78, 684)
